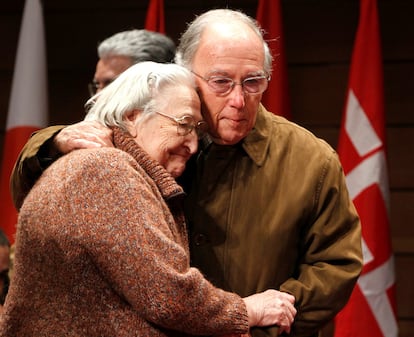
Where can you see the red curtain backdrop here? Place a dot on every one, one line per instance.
(155, 16)
(276, 97)
(371, 310)
(28, 103)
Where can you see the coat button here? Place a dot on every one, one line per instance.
(199, 239)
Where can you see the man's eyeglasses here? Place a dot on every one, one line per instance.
(94, 86)
(186, 124)
(224, 85)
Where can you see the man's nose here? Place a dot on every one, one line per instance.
(237, 96)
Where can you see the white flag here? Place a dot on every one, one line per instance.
(28, 103)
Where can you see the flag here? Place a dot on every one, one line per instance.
(371, 310)
(276, 97)
(28, 103)
(155, 16)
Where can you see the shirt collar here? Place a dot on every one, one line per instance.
(256, 142)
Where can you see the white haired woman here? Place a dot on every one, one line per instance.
(101, 246)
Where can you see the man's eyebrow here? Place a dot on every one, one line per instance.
(226, 74)
(217, 73)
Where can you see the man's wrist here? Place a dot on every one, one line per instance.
(48, 153)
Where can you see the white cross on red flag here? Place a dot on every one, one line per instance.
(371, 310)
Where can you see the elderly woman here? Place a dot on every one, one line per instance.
(101, 246)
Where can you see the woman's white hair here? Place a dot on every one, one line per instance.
(137, 88)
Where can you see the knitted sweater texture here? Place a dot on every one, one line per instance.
(102, 250)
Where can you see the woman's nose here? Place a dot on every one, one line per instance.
(192, 142)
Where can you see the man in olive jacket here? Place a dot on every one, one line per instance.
(267, 203)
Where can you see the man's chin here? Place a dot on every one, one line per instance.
(228, 139)
(229, 134)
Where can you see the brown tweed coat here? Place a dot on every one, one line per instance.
(101, 250)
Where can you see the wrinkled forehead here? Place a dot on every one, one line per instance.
(229, 44)
(179, 99)
(230, 31)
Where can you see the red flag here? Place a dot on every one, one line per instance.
(371, 310)
(276, 97)
(28, 103)
(155, 16)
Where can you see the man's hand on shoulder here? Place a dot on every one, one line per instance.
(83, 135)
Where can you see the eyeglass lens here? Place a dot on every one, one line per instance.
(251, 85)
(223, 85)
(187, 124)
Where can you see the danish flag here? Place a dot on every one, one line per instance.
(371, 310)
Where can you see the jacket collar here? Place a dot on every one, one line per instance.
(165, 181)
(256, 144)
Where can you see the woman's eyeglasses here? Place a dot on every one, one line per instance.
(186, 124)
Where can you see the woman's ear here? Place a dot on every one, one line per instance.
(130, 120)
(132, 115)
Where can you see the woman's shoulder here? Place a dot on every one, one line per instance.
(103, 155)
(99, 160)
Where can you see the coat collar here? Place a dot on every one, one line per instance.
(165, 182)
(256, 144)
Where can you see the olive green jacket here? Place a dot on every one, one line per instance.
(32, 161)
(274, 212)
(271, 212)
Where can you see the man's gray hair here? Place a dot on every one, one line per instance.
(140, 87)
(140, 45)
(190, 39)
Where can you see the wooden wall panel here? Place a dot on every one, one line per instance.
(405, 286)
(399, 92)
(401, 156)
(9, 30)
(319, 32)
(402, 214)
(406, 328)
(396, 29)
(317, 94)
(64, 109)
